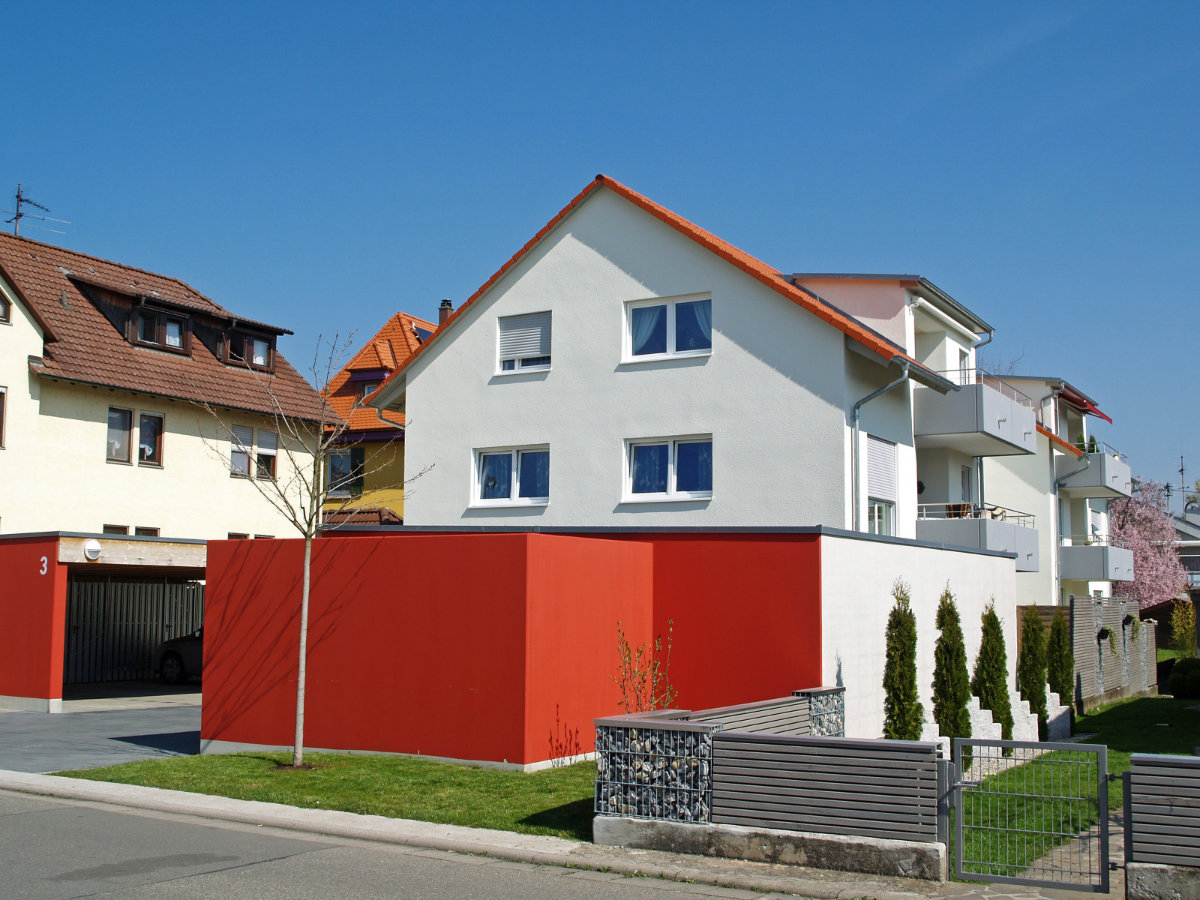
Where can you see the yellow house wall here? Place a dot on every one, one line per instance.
(383, 479)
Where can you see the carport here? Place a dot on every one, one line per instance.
(91, 609)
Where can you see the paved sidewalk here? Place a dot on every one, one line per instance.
(41, 742)
(812, 883)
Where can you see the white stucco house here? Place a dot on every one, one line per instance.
(1067, 485)
(628, 368)
(103, 368)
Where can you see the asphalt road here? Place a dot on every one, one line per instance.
(53, 848)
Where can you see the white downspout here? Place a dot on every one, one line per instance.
(855, 477)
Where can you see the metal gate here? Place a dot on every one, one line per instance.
(1031, 813)
(115, 625)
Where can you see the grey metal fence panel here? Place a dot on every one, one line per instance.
(785, 715)
(1163, 810)
(114, 626)
(881, 789)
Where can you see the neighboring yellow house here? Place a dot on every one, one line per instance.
(368, 472)
(103, 372)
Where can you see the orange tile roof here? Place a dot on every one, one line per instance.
(392, 346)
(81, 344)
(772, 278)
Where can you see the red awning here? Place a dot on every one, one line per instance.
(1078, 400)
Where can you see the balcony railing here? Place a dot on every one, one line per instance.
(1092, 540)
(963, 377)
(976, 511)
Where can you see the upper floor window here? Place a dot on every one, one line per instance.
(241, 442)
(524, 342)
(3, 398)
(515, 477)
(367, 388)
(657, 329)
(264, 462)
(150, 439)
(250, 349)
(5, 309)
(881, 486)
(669, 469)
(162, 329)
(344, 472)
(120, 427)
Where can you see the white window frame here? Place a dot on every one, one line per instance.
(513, 498)
(627, 355)
(238, 446)
(670, 495)
(881, 517)
(519, 360)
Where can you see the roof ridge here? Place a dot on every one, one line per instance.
(751, 265)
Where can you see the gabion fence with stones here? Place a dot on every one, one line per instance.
(658, 765)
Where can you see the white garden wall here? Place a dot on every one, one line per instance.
(857, 574)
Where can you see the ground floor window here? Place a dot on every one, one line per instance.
(517, 476)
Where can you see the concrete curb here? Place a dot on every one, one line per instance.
(504, 845)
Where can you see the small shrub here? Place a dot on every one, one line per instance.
(990, 680)
(1184, 682)
(1183, 628)
(1031, 666)
(903, 712)
(644, 673)
(1060, 662)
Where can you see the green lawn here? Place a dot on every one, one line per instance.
(553, 801)
(1142, 725)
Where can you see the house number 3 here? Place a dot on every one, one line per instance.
(42, 570)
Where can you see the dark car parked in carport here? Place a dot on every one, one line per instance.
(180, 658)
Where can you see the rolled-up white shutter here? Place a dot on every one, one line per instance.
(266, 442)
(881, 469)
(522, 336)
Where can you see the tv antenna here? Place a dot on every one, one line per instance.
(18, 215)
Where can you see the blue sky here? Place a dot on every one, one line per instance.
(320, 167)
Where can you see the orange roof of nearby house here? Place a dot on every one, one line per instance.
(82, 344)
(391, 347)
(772, 278)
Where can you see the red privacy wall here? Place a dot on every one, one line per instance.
(746, 610)
(497, 646)
(480, 647)
(33, 598)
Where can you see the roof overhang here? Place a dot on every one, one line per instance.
(917, 284)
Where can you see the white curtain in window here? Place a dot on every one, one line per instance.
(703, 311)
(522, 336)
(644, 323)
(881, 469)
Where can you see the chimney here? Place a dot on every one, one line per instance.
(444, 312)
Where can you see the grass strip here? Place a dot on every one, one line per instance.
(555, 801)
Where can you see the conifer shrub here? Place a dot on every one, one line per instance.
(1031, 666)
(903, 712)
(1060, 661)
(1183, 628)
(951, 683)
(990, 679)
(1184, 682)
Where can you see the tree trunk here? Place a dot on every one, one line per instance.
(298, 750)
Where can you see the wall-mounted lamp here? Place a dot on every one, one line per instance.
(91, 549)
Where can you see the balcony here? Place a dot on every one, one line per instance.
(1090, 558)
(982, 528)
(985, 417)
(1107, 475)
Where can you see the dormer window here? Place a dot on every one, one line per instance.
(166, 331)
(249, 349)
(367, 388)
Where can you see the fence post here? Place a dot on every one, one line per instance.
(1127, 814)
(945, 773)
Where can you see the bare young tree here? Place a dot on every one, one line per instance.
(303, 493)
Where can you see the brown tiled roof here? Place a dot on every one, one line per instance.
(83, 345)
(771, 277)
(389, 349)
(361, 515)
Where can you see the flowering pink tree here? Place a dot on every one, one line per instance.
(1142, 521)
